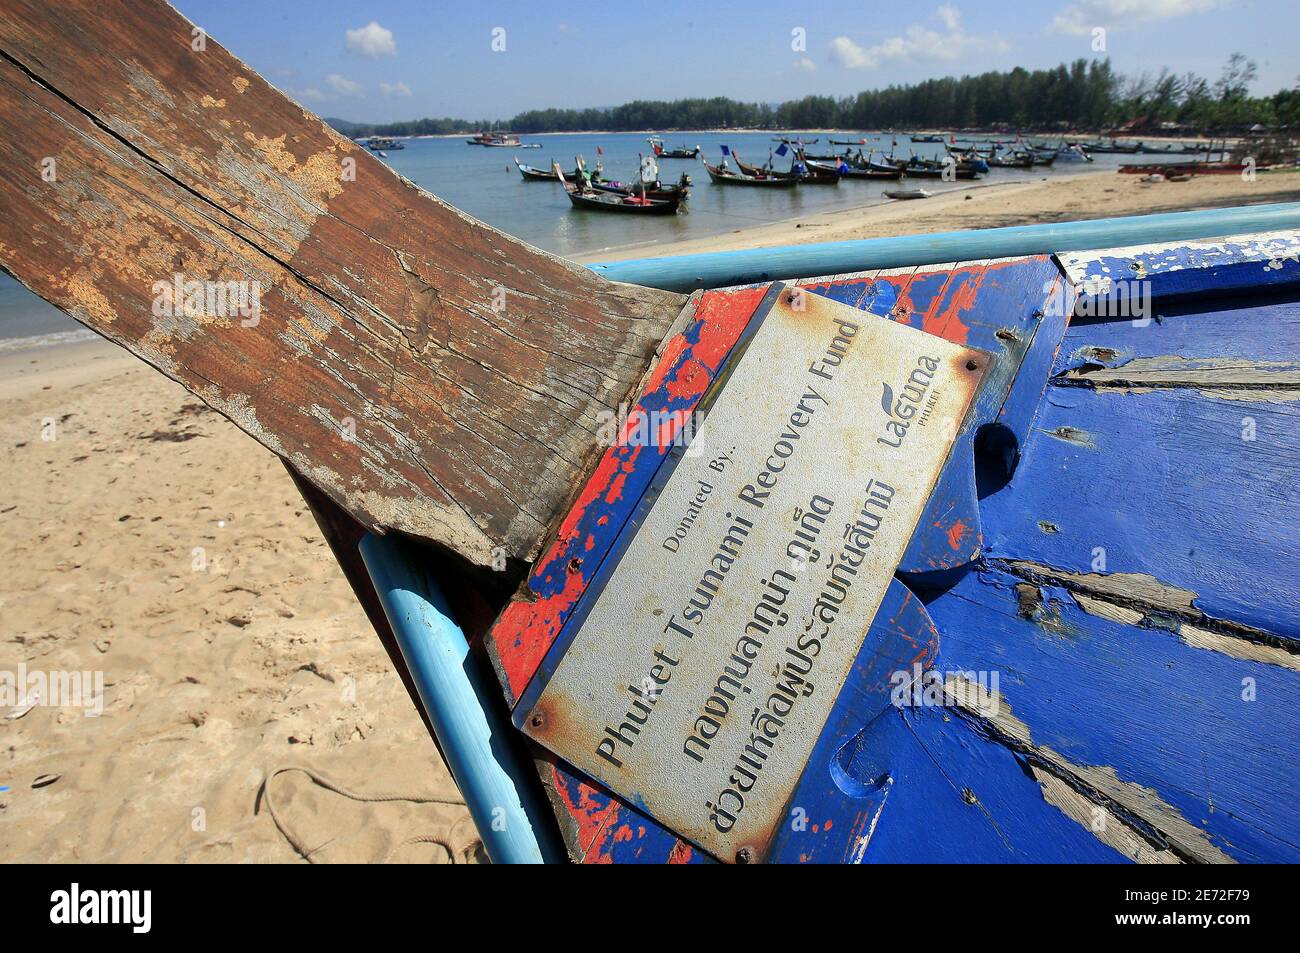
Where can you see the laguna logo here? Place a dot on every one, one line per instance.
(909, 405)
(75, 905)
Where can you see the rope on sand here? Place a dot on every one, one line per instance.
(264, 797)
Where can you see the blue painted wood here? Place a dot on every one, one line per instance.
(1160, 713)
(1163, 484)
(888, 784)
(1171, 270)
(1257, 328)
(722, 269)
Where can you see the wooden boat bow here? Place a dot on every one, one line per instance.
(424, 371)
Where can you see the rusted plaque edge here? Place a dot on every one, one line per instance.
(703, 661)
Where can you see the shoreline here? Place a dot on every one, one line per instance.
(1079, 197)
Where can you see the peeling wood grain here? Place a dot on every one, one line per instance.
(426, 372)
(1108, 827)
(1275, 380)
(1136, 806)
(1195, 636)
(1141, 599)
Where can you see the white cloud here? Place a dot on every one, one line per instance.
(371, 40)
(342, 85)
(1081, 17)
(918, 43)
(804, 64)
(395, 89)
(337, 86)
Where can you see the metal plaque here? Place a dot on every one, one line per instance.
(700, 668)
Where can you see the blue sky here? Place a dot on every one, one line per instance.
(404, 59)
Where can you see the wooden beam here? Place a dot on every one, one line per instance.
(426, 372)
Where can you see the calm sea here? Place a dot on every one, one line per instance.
(486, 184)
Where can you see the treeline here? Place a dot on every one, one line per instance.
(1083, 95)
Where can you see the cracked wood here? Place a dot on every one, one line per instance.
(425, 371)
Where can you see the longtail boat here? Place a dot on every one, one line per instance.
(972, 625)
(639, 202)
(1011, 160)
(723, 176)
(679, 190)
(682, 152)
(811, 175)
(853, 172)
(925, 169)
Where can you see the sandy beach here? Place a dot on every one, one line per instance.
(147, 539)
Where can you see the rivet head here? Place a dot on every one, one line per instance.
(537, 720)
(745, 855)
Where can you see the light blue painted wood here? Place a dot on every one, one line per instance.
(495, 777)
(722, 269)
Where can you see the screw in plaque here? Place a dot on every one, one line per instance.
(745, 855)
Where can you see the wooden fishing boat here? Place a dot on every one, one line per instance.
(1042, 661)
(627, 203)
(922, 169)
(853, 172)
(495, 140)
(679, 191)
(814, 174)
(533, 174)
(682, 152)
(1014, 160)
(722, 176)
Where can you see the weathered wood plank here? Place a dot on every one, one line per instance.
(426, 372)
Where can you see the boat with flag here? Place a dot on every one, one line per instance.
(800, 169)
(681, 152)
(723, 174)
(583, 196)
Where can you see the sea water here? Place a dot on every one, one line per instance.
(485, 183)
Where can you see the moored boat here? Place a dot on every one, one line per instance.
(679, 191)
(534, 174)
(583, 196)
(844, 170)
(725, 176)
(496, 140)
(800, 169)
(682, 152)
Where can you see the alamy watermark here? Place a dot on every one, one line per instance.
(56, 689)
(640, 428)
(194, 298)
(1101, 297)
(922, 688)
